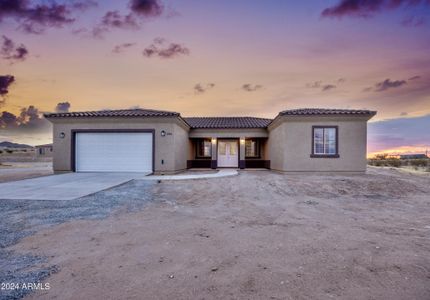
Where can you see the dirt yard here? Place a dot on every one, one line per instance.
(258, 235)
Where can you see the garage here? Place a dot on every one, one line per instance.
(113, 152)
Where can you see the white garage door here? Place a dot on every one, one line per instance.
(113, 152)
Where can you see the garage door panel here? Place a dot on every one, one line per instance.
(114, 152)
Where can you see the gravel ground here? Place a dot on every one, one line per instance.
(19, 218)
(258, 235)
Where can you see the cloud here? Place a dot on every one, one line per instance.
(121, 47)
(200, 88)
(114, 19)
(10, 51)
(147, 8)
(388, 84)
(328, 87)
(29, 120)
(138, 11)
(324, 87)
(414, 78)
(341, 80)
(251, 88)
(403, 113)
(62, 107)
(36, 18)
(5, 82)
(161, 49)
(367, 8)
(84, 5)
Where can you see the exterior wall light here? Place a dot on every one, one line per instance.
(242, 141)
(213, 141)
(62, 135)
(163, 133)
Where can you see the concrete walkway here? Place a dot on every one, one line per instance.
(220, 173)
(63, 187)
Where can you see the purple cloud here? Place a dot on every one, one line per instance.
(251, 88)
(388, 84)
(121, 47)
(36, 18)
(414, 77)
(30, 119)
(114, 19)
(148, 8)
(366, 8)
(62, 107)
(200, 88)
(160, 49)
(5, 82)
(9, 51)
(328, 87)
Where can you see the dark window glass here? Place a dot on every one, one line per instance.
(204, 148)
(252, 148)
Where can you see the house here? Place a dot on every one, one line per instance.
(413, 156)
(44, 150)
(163, 142)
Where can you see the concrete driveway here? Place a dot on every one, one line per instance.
(65, 186)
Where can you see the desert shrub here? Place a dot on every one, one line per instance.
(393, 162)
(9, 151)
(422, 162)
(1, 151)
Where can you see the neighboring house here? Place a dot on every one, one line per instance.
(143, 140)
(44, 150)
(413, 156)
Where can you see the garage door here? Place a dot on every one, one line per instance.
(113, 152)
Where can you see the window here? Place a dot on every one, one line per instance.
(324, 141)
(252, 148)
(204, 148)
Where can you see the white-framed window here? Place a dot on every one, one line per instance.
(325, 141)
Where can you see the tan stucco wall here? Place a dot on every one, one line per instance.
(290, 144)
(172, 148)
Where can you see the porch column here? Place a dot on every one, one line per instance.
(242, 152)
(214, 153)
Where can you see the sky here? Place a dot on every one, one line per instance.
(218, 58)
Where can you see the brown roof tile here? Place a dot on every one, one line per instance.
(325, 111)
(227, 122)
(121, 113)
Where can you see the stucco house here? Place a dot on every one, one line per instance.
(45, 150)
(163, 142)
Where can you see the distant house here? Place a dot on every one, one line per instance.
(44, 150)
(413, 156)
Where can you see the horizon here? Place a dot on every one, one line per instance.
(264, 57)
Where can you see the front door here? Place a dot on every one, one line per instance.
(228, 154)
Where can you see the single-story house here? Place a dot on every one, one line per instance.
(413, 156)
(44, 150)
(163, 142)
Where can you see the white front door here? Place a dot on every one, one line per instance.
(228, 153)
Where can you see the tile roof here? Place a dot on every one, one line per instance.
(325, 111)
(121, 113)
(227, 122)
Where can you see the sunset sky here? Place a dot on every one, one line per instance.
(218, 58)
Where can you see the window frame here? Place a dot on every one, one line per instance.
(198, 143)
(258, 150)
(320, 155)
